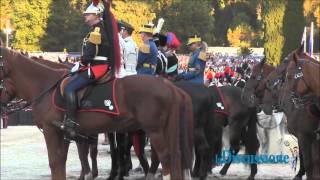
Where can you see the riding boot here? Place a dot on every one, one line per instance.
(70, 118)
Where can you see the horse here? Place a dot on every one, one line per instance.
(260, 85)
(84, 146)
(280, 93)
(119, 144)
(242, 121)
(172, 121)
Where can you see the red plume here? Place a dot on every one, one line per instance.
(95, 2)
(114, 30)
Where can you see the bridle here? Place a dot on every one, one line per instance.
(5, 75)
(298, 100)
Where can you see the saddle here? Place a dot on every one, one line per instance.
(98, 97)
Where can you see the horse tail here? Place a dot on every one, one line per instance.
(252, 142)
(173, 135)
(186, 131)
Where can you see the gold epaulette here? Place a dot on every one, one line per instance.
(145, 48)
(202, 56)
(95, 36)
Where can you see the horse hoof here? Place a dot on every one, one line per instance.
(223, 172)
(88, 176)
(297, 178)
(150, 176)
(250, 178)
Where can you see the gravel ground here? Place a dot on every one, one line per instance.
(24, 156)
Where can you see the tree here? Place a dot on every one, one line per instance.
(293, 25)
(136, 13)
(29, 21)
(189, 17)
(272, 18)
(241, 36)
(66, 28)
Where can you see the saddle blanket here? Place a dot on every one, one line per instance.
(96, 98)
(220, 106)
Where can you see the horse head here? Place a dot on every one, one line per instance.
(252, 93)
(7, 92)
(298, 71)
(275, 91)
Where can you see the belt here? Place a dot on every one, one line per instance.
(146, 65)
(100, 58)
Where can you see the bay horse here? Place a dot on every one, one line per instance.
(84, 146)
(260, 85)
(301, 122)
(119, 142)
(169, 127)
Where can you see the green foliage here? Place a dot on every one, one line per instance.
(241, 36)
(66, 28)
(235, 13)
(293, 25)
(273, 17)
(244, 51)
(137, 13)
(188, 17)
(29, 20)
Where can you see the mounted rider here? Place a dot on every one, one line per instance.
(100, 54)
(148, 52)
(167, 58)
(197, 61)
(129, 50)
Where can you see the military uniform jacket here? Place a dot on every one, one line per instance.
(196, 66)
(95, 51)
(95, 44)
(147, 58)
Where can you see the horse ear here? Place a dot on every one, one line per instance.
(300, 49)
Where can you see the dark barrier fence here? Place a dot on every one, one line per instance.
(20, 118)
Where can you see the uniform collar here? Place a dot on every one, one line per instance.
(127, 38)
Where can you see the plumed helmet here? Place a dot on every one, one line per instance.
(96, 7)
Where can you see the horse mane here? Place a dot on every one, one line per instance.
(11, 54)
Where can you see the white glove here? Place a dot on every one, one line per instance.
(76, 67)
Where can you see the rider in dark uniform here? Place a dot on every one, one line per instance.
(96, 60)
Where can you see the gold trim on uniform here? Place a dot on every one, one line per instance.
(202, 56)
(145, 48)
(95, 36)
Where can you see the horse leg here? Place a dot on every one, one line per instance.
(93, 155)
(57, 152)
(196, 168)
(83, 151)
(128, 146)
(121, 154)
(158, 141)
(234, 147)
(252, 142)
(113, 150)
(154, 164)
(139, 142)
(301, 171)
(316, 159)
(305, 142)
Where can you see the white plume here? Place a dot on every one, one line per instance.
(159, 26)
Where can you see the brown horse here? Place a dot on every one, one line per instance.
(155, 105)
(300, 123)
(84, 146)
